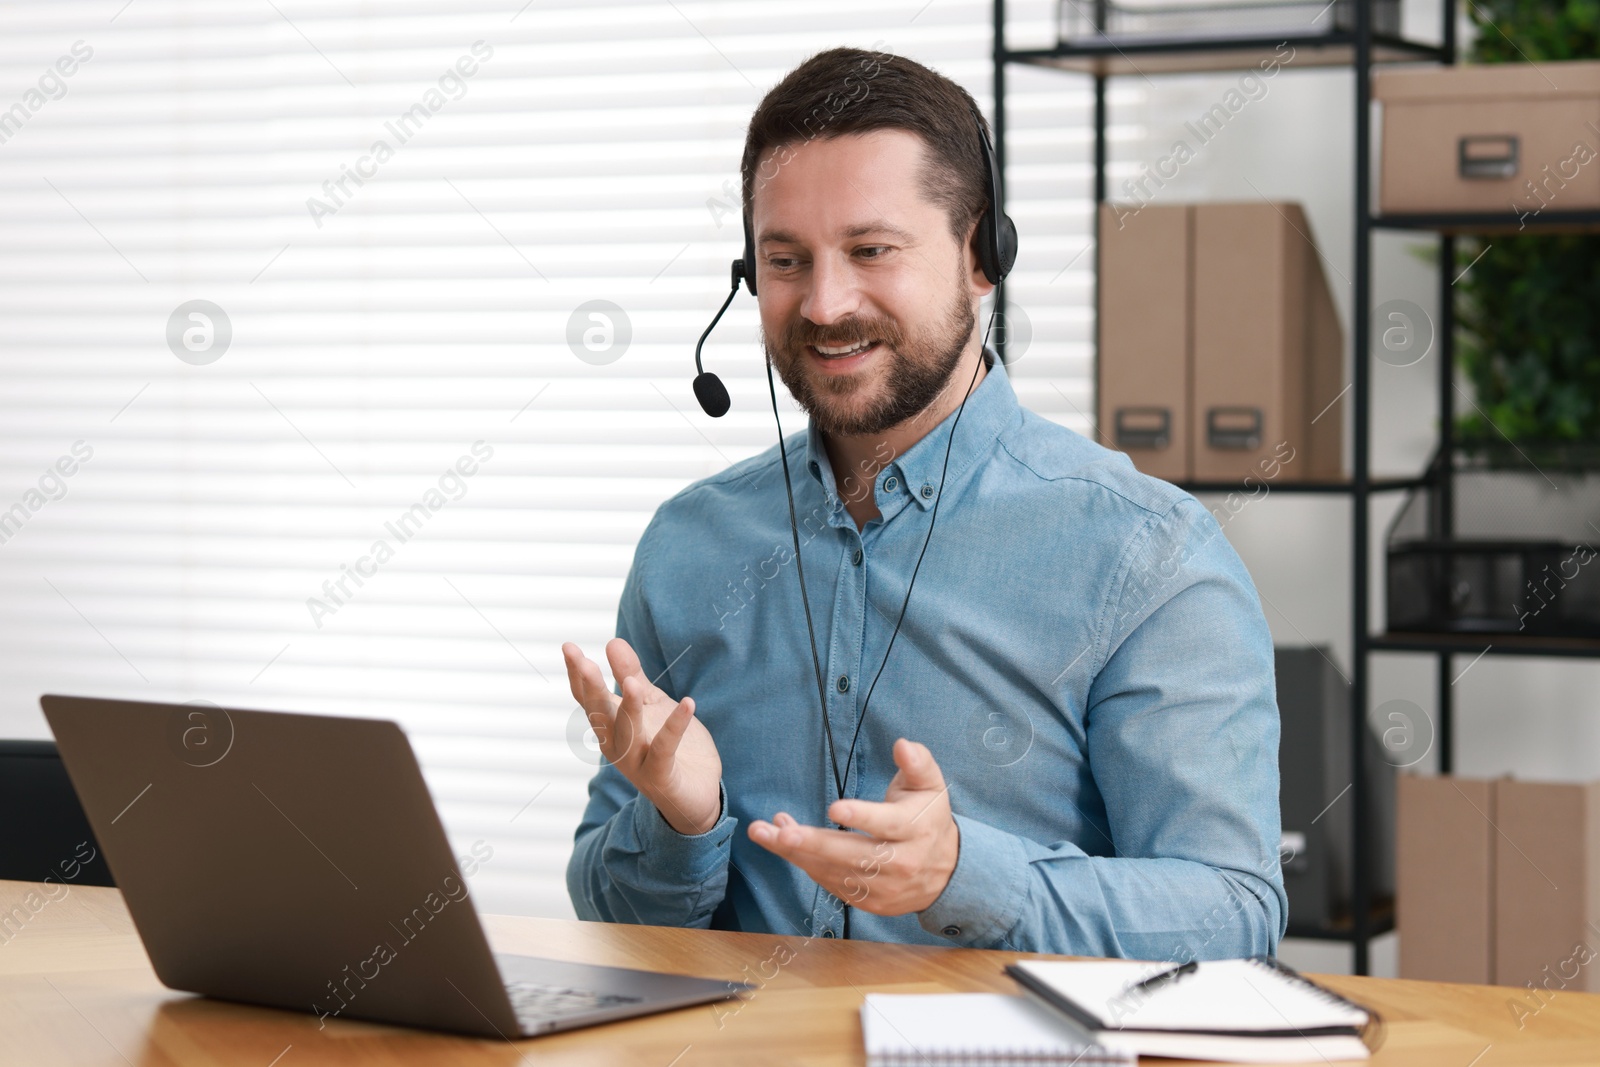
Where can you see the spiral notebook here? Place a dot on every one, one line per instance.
(955, 1029)
(1254, 1010)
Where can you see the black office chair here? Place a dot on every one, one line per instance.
(43, 831)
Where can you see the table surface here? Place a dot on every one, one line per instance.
(76, 988)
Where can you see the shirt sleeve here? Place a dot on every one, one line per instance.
(1182, 733)
(628, 864)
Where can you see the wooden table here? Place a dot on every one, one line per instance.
(76, 988)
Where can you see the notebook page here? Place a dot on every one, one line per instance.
(1321, 1051)
(1220, 995)
(937, 1025)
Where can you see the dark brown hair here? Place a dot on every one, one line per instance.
(853, 90)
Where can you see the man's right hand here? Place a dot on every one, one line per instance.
(655, 742)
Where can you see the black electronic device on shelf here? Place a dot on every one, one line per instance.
(1313, 774)
(1500, 541)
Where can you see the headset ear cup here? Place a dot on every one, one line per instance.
(749, 262)
(997, 251)
(1008, 245)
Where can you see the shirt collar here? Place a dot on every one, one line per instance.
(916, 472)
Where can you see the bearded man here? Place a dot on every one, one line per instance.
(1065, 742)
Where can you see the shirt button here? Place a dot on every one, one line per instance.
(951, 931)
(827, 933)
(843, 684)
(927, 492)
(856, 559)
(890, 484)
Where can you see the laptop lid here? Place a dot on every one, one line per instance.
(283, 859)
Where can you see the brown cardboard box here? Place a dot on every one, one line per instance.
(1505, 137)
(1445, 852)
(1221, 353)
(1499, 882)
(1547, 886)
(1142, 393)
(1267, 347)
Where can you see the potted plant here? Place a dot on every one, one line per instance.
(1529, 308)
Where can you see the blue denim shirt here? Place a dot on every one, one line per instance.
(1084, 654)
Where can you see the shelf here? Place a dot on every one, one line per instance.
(1381, 921)
(1187, 55)
(1374, 485)
(1479, 644)
(1148, 56)
(1498, 222)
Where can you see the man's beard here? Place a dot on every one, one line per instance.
(917, 372)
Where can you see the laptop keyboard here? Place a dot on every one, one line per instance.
(536, 1004)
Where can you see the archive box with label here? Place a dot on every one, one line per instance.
(1221, 353)
(1498, 138)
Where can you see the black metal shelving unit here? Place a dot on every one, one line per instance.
(1543, 222)
(1358, 49)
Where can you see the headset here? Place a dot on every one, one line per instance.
(996, 242)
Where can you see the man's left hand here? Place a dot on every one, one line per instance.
(904, 853)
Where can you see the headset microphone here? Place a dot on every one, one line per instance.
(996, 242)
(708, 388)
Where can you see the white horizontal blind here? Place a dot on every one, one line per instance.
(377, 329)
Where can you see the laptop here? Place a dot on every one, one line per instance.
(297, 861)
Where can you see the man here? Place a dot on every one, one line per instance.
(1073, 747)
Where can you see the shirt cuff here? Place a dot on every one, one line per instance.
(986, 893)
(688, 856)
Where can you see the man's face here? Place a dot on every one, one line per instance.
(848, 251)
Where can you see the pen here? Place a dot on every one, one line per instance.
(1162, 978)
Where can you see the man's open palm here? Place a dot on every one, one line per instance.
(655, 741)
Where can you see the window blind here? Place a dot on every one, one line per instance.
(306, 402)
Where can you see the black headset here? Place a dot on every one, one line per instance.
(996, 241)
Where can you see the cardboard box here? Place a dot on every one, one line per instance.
(1221, 353)
(1506, 137)
(1547, 886)
(1499, 882)
(1445, 878)
(1143, 370)
(1268, 349)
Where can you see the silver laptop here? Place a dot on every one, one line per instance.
(297, 861)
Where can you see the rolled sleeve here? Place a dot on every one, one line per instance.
(635, 868)
(985, 896)
(683, 857)
(628, 864)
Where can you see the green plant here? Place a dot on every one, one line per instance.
(1529, 310)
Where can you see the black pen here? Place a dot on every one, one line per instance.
(1165, 976)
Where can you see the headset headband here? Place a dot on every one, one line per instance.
(996, 239)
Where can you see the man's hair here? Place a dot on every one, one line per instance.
(853, 90)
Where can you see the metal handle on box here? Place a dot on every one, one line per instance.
(1130, 434)
(1487, 157)
(1243, 435)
